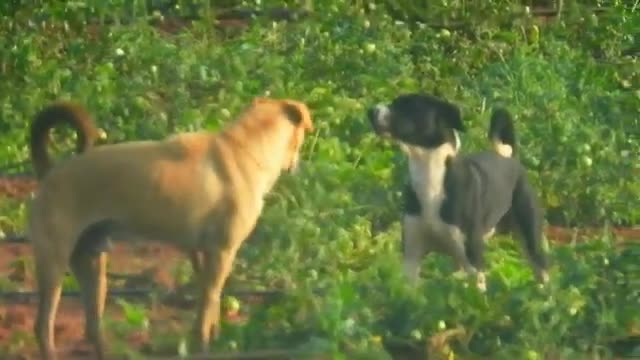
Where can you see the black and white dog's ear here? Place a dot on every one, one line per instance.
(451, 115)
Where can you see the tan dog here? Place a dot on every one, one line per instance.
(201, 192)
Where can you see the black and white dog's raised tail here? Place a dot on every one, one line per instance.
(489, 192)
(502, 133)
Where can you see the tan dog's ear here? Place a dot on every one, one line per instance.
(299, 114)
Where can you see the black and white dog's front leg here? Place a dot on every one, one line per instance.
(467, 253)
(414, 246)
(452, 241)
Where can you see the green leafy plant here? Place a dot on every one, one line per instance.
(329, 237)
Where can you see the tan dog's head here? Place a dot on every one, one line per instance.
(289, 115)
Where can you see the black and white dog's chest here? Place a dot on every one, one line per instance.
(411, 203)
(422, 197)
(424, 192)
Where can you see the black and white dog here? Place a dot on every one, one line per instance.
(453, 204)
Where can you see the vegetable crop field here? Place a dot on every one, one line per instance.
(321, 275)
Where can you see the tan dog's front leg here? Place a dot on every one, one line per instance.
(217, 264)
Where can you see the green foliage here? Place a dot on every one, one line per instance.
(134, 315)
(592, 298)
(334, 226)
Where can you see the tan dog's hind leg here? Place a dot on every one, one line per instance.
(91, 272)
(49, 289)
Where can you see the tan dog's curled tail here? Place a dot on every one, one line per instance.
(502, 132)
(53, 115)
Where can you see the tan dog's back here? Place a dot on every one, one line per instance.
(130, 182)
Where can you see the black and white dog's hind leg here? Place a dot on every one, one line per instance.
(525, 213)
(529, 227)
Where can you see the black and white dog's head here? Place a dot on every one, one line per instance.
(418, 122)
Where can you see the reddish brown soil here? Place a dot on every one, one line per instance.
(16, 187)
(559, 234)
(145, 264)
(154, 262)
